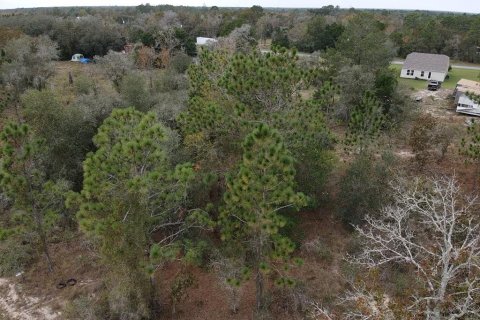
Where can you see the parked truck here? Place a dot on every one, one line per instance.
(434, 85)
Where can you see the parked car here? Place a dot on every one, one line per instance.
(434, 85)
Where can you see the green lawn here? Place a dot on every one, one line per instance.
(450, 83)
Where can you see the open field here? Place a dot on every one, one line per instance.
(455, 75)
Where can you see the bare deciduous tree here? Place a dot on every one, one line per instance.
(211, 24)
(360, 303)
(166, 41)
(239, 40)
(229, 271)
(169, 20)
(431, 227)
(115, 65)
(27, 63)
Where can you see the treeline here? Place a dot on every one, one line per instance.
(94, 31)
(457, 36)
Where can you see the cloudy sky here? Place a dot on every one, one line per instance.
(472, 6)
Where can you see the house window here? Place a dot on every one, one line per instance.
(409, 72)
(422, 74)
(429, 75)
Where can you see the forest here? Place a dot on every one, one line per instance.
(280, 171)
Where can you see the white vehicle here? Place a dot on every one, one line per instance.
(77, 57)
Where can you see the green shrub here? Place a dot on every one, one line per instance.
(83, 85)
(312, 174)
(134, 91)
(87, 307)
(15, 255)
(179, 289)
(180, 62)
(170, 80)
(67, 132)
(291, 229)
(364, 188)
(354, 246)
(349, 271)
(320, 249)
(197, 251)
(169, 105)
(402, 283)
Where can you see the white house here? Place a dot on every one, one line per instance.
(463, 102)
(426, 66)
(202, 41)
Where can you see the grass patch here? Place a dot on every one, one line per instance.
(450, 83)
(457, 74)
(319, 248)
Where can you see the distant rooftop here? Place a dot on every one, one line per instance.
(427, 62)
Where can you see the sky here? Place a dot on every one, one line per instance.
(471, 6)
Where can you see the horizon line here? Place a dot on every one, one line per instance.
(235, 7)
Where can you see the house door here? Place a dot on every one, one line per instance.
(429, 75)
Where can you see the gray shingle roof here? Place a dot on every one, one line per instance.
(427, 62)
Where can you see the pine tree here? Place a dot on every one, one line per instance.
(230, 95)
(470, 148)
(365, 123)
(255, 197)
(130, 190)
(266, 83)
(326, 95)
(37, 202)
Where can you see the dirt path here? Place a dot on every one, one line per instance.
(15, 306)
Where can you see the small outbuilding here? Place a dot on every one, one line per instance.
(77, 57)
(202, 41)
(463, 101)
(426, 66)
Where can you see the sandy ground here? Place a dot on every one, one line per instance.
(16, 306)
(439, 104)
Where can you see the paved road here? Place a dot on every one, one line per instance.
(400, 62)
(300, 54)
(457, 66)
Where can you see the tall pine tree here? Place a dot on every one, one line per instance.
(365, 123)
(470, 148)
(255, 197)
(130, 190)
(37, 202)
(230, 95)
